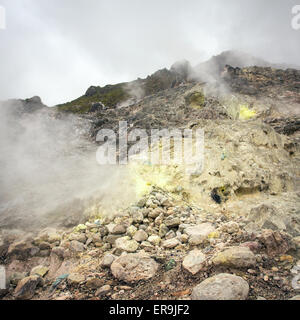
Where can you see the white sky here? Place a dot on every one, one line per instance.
(58, 48)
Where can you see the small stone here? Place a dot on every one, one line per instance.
(295, 298)
(147, 246)
(116, 228)
(171, 243)
(93, 283)
(221, 287)
(80, 228)
(286, 258)
(165, 202)
(140, 236)
(159, 220)
(230, 227)
(138, 217)
(131, 230)
(105, 246)
(184, 238)
(194, 261)
(107, 260)
(172, 222)
(154, 213)
(40, 271)
(125, 244)
(199, 233)
(104, 290)
(235, 257)
(163, 230)
(77, 246)
(134, 267)
(25, 289)
(171, 234)
(81, 237)
(261, 298)
(75, 278)
(111, 238)
(155, 240)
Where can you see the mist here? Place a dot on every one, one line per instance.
(49, 174)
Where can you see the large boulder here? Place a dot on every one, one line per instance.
(134, 267)
(223, 286)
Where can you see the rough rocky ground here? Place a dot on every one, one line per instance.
(231, 231)
(158, 249)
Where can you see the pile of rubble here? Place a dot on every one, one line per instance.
(151, 250)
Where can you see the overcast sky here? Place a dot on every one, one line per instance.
(58, 48)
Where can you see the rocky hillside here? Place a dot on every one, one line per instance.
(230, 231)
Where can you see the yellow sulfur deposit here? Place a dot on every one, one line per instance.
(246, 113)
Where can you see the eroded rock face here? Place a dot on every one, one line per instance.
(134, 267)
(266, 217)
(221, 287)
(239, 257)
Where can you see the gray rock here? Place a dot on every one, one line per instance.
(131, 230)
(199, 233)
(266, 217)
(163, 230)
(15, 277)
(230, 227)
(171, 243)
(104, 290)
(75, 278)
(194, 261)
(171, 234)
(77, 246)
(107, 260)
(154, 239)
(154, 213)
(125, 244)
(239, 257)
(39, 271)
(26, 287)
(223, 286)
(138, 217)
(116, 228)
(140, 236)
(81, 237)
(172, 222)
(134, 267)
(21, 250)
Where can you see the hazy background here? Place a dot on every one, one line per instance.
(56, 49)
